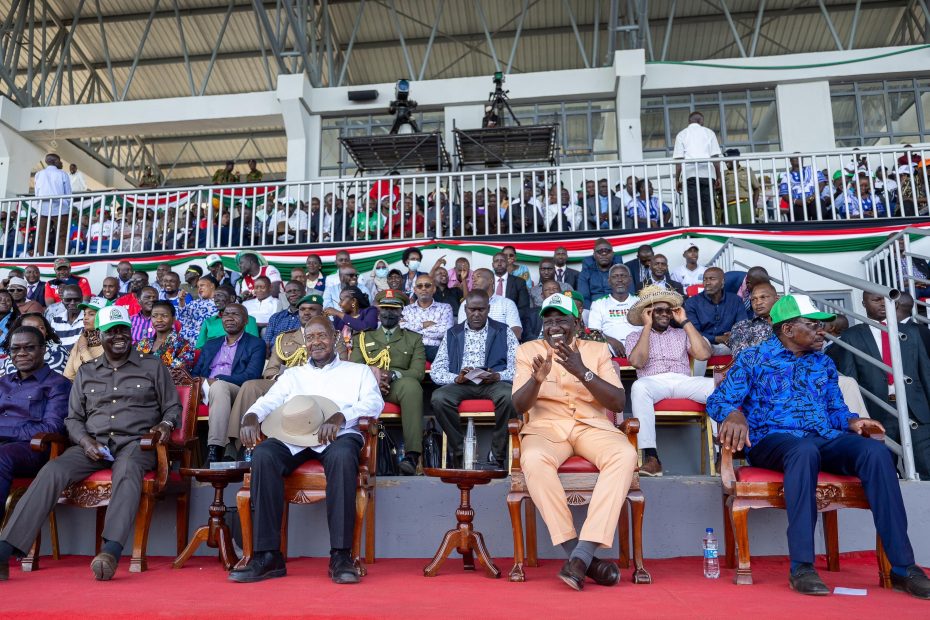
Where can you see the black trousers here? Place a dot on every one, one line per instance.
(446, 401)
(272, 461)
(700, 201)
(17, 460)
(431, 351)
(802, 458)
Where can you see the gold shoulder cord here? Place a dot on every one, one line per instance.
(297, 358)
(382, 360)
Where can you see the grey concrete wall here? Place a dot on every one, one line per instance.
(413, 514)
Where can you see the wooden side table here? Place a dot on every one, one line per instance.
(216, 533)
(464, 538)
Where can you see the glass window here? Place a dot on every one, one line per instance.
(880, 112)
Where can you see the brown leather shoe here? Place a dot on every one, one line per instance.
(104, 566)
(572, 573)
(651, 467)
(603, 572)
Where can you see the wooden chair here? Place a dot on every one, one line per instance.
(746, 488)
(678, 411)
(307, 485)
(94, 491)
(578, 477)
(479, 409)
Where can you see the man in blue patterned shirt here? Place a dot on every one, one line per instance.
(780, 400)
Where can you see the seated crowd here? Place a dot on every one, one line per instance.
(339, 347)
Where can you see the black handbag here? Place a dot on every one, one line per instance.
(432, 446)
(387, 454)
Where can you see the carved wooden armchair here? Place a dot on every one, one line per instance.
(746, 488)
(307, 485)
(94, 491)
(578, 477)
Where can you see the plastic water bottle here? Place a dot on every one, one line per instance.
(711, 562)
(471, 445)
(248, 455)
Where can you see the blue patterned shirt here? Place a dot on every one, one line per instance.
(779, 392)
(281, 322)
(193, 315)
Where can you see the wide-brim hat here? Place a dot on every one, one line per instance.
(298, 420)
(649, 296)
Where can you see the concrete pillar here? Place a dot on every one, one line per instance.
(630, 69)
(460, 117)
(805, 116)
(302, 127)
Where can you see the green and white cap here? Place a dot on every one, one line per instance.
(561, 302)
(797, 306)
(94, 303)
(110, 317)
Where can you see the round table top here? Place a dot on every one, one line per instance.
(215, 475)
(456, 476)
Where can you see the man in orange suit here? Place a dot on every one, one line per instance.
(567, 386)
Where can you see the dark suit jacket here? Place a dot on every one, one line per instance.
(517, 292)
(924, 334)
(570, 276)
(593, 209)
(247, 364)
(675, 285)
(38, 295)
(880, 273)
(633, 266)
(873, 379)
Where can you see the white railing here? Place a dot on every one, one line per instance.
(476, 203)
(725, 258)
(893, 264)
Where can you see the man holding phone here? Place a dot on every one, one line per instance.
(476, 360)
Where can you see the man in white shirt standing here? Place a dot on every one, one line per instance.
(501, 309)
(697, 142)
(78, 182)
(311, 412)
(608, 314)
(690, 274)
(52, 181)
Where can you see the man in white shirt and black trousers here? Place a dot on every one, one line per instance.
(698, 142)
(340, 393)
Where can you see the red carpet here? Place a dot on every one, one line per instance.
(396, 588)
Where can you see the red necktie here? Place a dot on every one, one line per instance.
(500, 286)
(886, 353)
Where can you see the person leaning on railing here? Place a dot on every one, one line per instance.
(741, 190)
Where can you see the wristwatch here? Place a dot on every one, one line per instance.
(168, 422)
(395, 375)
(588, 377)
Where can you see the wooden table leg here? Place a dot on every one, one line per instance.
(449, 542)
(215, 534)
(202, 535)
(463, 539)
(484, 558)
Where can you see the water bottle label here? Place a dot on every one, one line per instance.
(710, 554)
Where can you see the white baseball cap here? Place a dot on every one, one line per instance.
(213, 259)
(111, 316)
(561, 302)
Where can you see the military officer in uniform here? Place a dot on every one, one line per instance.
(116, 399)
(289, 350)
(398, 359)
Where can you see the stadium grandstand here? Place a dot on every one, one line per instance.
(197, 172)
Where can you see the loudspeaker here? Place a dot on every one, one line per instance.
(363, 95)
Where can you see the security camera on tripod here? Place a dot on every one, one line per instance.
(498, 103)
(402, 107)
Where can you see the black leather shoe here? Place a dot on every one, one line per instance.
(408, 466)
(214, 454)
(805, 580)
(104, 566)
(4, 571)
(342, 569)
(572, 573)
(603, 572)
(915, 583)
(263, 565)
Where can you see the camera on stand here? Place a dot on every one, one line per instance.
(402, 108)
(498, 105)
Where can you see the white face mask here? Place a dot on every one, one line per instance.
(413, 265)
(381, 272)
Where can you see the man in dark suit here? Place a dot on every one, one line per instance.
(639, 266)
(226, 363)
(658, 275)
(904, 307)
(515, 290)
(35, 290)
(563, 273)
(398, 359)
(604, 210)
(916, 363)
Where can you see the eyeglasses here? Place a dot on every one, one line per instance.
(424, 285)
(814, 325)
(70, 300)
(604, 251)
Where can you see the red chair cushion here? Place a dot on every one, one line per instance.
(719, 360)
(390, 408)
(760, 474)
(312, 466)
(577, 465)
(476, 406)
(106, 475)
(203, 411)
(622, 362)
(21, 483)
(679, 404)
(428, 366)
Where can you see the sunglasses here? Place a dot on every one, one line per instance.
(604, 251)
(662, 311)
